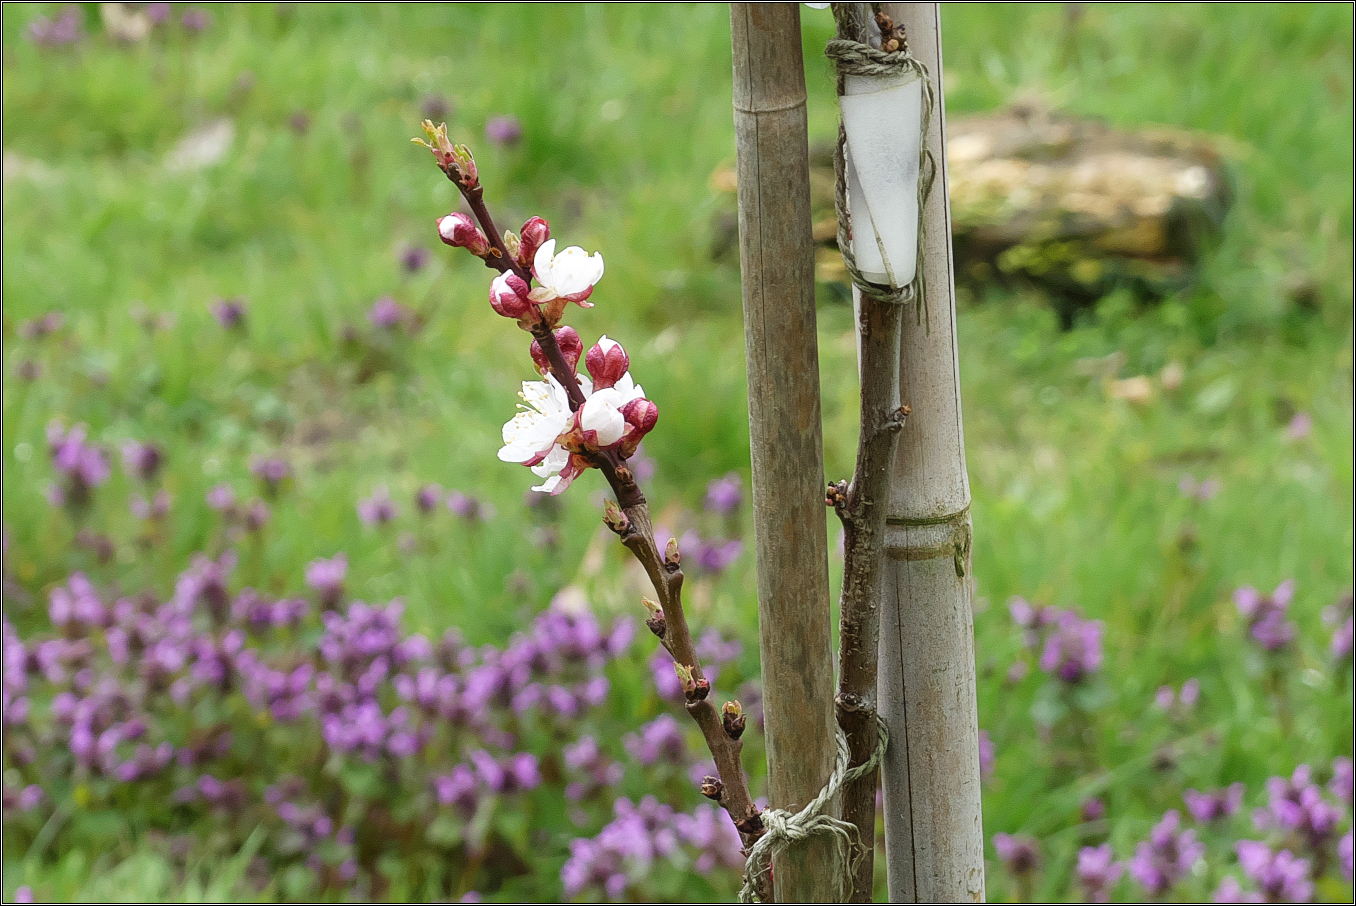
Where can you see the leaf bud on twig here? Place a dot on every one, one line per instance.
(712, 788)
(614, 517)
(672, 559)
(655, 621)
(733, 719)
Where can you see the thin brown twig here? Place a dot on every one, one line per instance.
(637, 535)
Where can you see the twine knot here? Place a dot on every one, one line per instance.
(784, 829)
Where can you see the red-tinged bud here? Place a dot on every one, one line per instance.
(460, 231)
(534, 234)
(571, 347)
(508, 296)
(712, 788)
(672, 559)
(701, 690)
(607, 362)
(641, 415)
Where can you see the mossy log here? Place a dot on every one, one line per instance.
(1066, 203)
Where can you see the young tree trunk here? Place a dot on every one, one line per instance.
(781, 348)
(933, 833)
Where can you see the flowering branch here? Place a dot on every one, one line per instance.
(571, 423)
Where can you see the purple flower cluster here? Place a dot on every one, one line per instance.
(230, 313)
(661, 740)
(1280, 877)
(81, 466)
(504, 130)
(378, 509)
(1166, 857)
(624, 851)
(1265, 614)
(388, 314)
(1072, 646)
(596, 771)
(272, 471)
(327, 578)
(1333, 616)
(1210, 807)
(725, 495)
(126, 678)
(712, 556)
(1020, 855)
(1296, 805)
(38, 328)
(68, 28)
(1097, 872)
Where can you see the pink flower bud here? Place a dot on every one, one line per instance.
(533, 234)
(570, 346)
(508, 296)
(641, 415)
(460, 231)
(607, 362)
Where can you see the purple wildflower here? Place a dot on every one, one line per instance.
(713, 836)
(272, 471)
(427, 498)
(156, 508)
(143, 461)
(1266, 614)
(1020, 855)
(1098, 872)
(469, 508)
(504, 130)
(377, 509)
(196, 20)
(1342, 779)
(1281, 877)
(1344, 855)
(1073, 649)
(414, 258)
(221, 498)
(724, 495)
(84, 466)
(327, 578)
(158, 13)
(387, 313)
(230, 313)
(987, 758)
(1300, 426)
(1297, 805)
(1230, 891)
(67, 29)
(1208, 807)
(38, 328)
(1166, 857)
(659, 740)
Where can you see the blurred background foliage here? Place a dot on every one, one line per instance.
(266, 157)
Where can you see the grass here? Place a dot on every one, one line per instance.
(626, 114)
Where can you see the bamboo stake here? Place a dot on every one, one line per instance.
(781, 347)
(933, 832)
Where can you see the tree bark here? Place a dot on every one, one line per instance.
(781, 348)
(861, 507)
(933, 832)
